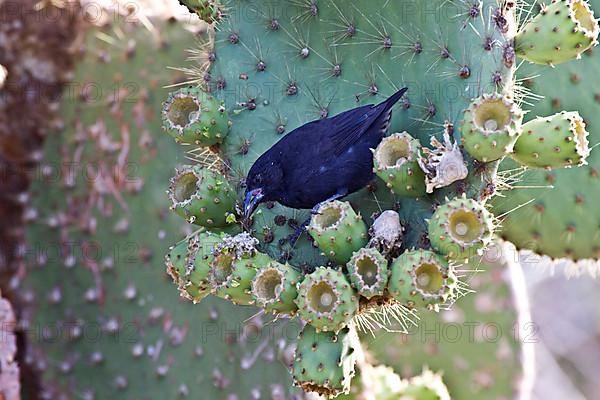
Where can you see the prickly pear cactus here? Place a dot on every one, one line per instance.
(554, 211)
(279, 67)
(103, 321)
(273, 69)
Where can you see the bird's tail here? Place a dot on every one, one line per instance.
(393, 99)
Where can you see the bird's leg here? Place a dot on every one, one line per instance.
(298, 231)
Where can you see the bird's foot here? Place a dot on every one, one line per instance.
(298, 231)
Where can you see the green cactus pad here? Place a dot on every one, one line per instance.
(368, 272)
(209, 11)
(562, 31)
(190, 271)
(554, 212)
(421, 279)
(325, 361)
(326, 300)
(396, 163)
(460, 228)
(338, 230)
(559, 140)
(202, 197)
(490, 127)
(193, 117)
(235, 264)
(274, 288)
(118, 328)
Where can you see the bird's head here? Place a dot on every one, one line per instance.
(262, 184)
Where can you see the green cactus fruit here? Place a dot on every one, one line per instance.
(234, 267)
(190, 271)
(490, 127)
(461, 228)
(192, 116)
(274, 288)
(202, 197)
(559, 140)
(421, 279)
(209, 11)
(338, 230)
(396, 163)
(368, 272)
(325, 361)
(562, 31)
(326, 300)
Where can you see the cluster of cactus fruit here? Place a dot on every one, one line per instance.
(428, 218)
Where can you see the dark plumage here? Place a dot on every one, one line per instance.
(321, 160)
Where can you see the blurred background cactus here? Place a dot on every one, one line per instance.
(376, 298)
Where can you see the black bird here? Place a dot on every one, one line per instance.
(320, 161)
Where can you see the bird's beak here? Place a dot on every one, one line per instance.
(251, 201)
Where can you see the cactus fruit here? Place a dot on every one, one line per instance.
(421, 279)
(562, 31)
(209, 11)
(368, 272)
(559, 140)
(395, 162)
(460, 228)
(325, 361)
(274, 288)
(202, 197)
(234, 267)
(188, 264)
(193, 117)
(338, 230)
(326, 300)
(490, 127)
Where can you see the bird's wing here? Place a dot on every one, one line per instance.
(348, 127)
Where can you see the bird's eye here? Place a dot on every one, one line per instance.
(258, 179)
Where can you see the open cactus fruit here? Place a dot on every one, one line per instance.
(398, 248)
